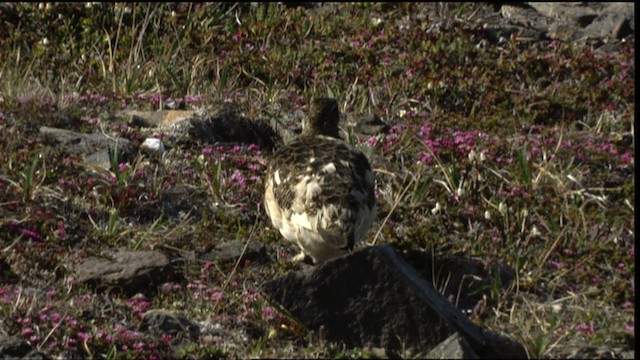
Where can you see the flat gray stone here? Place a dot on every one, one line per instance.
(566, 11)
(370, 124)
(230, 251)
(158, 322)
(454, 347)
(125, 270)
(96, 148)
(76, 143)
(372, 298)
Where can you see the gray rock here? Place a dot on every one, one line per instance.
(96, 148)
(12, 347)
(230, 251)
(125, 270)
(454, 347)
(158, 322)
(77, 143)
(284, 133)
(372, 297)
(370, 124)
(577, 13)
(589, 23)
(615, 22)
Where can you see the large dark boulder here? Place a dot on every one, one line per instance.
(373, 298)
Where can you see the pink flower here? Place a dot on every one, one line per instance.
(84, 337)
(26, 332)
(626, 158)
(61, 231)
(584, 328)
(217, 296)
(268, 312)
(70, 342)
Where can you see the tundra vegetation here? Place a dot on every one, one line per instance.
(519, 153)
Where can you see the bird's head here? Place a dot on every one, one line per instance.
(322, 119)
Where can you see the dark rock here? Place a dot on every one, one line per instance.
(454, 347)
(158, 322)
(230, 251)
(502, 347)
(460, 278)
(179, 201)
(81, 144)
(129, 271)
(373, 298)
(371, 124)
(97, 148)
(7, 276)
(226, 127)
(15, 348)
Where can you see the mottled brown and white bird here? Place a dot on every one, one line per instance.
(319, 190)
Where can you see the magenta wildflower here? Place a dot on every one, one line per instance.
(55, 316)
(626, 158)
(584, 328)
(61, 231)
(70, 342)
(26, 332)
(31, 234)
(239, 178)
(84, 337)
(217, 296)
(268, 312)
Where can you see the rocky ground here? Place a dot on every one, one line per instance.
(131, 225)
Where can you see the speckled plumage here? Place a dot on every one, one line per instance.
(319, 190)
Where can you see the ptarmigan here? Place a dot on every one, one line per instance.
(319, 190)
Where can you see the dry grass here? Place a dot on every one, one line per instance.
(520, 154)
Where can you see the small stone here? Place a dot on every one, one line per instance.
(158, 322)
(371, 124)
(230, 251)
(454, 347)
(153, 146)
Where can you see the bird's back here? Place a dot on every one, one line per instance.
(322, 184)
